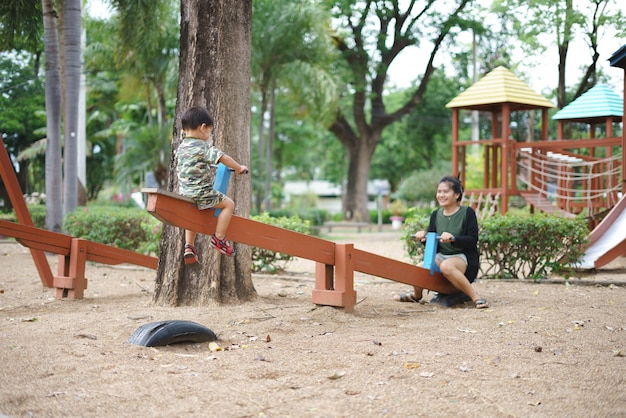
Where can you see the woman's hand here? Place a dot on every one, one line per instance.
(420, 236)
(447, 237)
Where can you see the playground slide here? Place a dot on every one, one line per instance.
(607, 240)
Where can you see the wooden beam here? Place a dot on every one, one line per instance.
(21, 211)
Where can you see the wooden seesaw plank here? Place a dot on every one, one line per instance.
(336, 263)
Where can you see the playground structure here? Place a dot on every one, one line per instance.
(562, 176)
(567, 177)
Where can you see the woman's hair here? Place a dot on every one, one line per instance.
(456, 185)
(196, 116)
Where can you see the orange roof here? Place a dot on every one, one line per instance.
(496, 88)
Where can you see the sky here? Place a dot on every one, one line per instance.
(542, 77)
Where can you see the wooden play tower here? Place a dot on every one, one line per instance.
(563, 176)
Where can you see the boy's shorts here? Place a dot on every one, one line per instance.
(210, 199)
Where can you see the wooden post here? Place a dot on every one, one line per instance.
(455, 141)
(340, 290)
(23, 216)
(504, 155)
(71, 282)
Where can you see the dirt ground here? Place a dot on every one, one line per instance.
(540, 350)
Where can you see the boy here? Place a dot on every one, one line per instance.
(195, 159)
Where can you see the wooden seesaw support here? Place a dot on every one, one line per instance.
(335, 263)
(70, 282)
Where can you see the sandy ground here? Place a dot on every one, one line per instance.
(541, 350)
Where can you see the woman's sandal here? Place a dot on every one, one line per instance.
(406, 297)
(480, 304)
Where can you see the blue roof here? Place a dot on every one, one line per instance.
(599, 102)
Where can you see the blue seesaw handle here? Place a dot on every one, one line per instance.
(430, 252)
(222, 177)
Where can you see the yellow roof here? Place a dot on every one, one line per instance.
(496, 88)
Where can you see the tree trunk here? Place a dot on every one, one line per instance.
(269, 157)
(54, 193)
(259, 201)
(355, 195)
(214, 72)
(71, 36)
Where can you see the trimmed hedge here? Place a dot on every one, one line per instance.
(127, 228)
(531, 247)
(269, 261)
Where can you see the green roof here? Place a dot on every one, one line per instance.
(599, 102)
(496, 88)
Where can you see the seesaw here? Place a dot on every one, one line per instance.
(335, 264)
(70, 281)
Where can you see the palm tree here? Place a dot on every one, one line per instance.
(71, 16)
(290, 48)
(54, 202)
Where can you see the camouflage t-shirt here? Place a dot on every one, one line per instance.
(196, 166)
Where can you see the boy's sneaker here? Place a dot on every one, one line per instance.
(222, 246)
(190, 254)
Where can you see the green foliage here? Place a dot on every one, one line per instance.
(416, 220)
(314, 216)
(530, 247)
(38, 214)
(421, 186)
(270, 261)
(420, 140)
(126, 228)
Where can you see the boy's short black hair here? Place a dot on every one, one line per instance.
(456, 185)
(195, 117)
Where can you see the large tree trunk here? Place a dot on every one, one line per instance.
(214, 72)
(355, 195)
(54, 173)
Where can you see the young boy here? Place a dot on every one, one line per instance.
(196, 159)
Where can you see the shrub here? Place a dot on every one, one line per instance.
(530, 246)
(416, 220)
(126, 228)
(38, 213)
(270, 261)
(315, 216)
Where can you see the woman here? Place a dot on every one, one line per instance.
(457, 252)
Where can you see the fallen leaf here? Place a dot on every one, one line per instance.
(471, 331)
(89, 336)
(411, 365)
(337, 375)
(30, 319)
